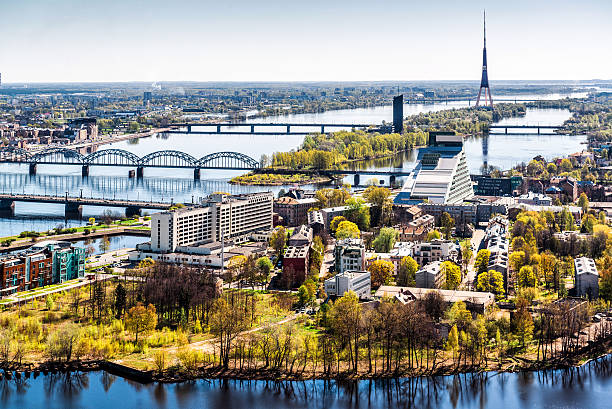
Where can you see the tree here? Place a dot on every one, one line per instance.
(452, 343)
(379, 198)
(566, 165)
(380, 272)
(482, 261)
(141, 319)
(452, 274)
(491, 281)
(385, 240)
(526, 277)
(406, 273)
(433, 235)
(347, 229)
(226, 323)
(517, 260)
(346, 324)
(522, 321)
(447, 223)
(303, 296)
(605, 285)
(120, 300)
(278, 240)
(333, 225)
(264, 267)
(358, 213)
(236, 266)
(466, 253)
(63, 342)
(459, 315)
(583, 202)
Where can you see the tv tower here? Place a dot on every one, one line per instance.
(484, 81)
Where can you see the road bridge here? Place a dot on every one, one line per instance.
(74, 205)
(250, 128)
(525, 127)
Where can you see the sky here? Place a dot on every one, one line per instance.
(307, 40)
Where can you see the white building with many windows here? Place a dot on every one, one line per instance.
(356, 281)
(232, 217)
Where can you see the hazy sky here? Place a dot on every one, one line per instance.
(284, 40)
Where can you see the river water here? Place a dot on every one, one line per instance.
(588, 387)
(178, 185)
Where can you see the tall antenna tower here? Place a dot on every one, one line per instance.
(484, 80)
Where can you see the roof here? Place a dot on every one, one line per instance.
(584, 265)
(449, 296)
(296, 252)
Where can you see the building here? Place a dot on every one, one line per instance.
(441, 174)
(302, 236)
(231, 218)
(294, 211)
(398, 114)
(398, 252)
(47, 262)
(295, 266)
(489, 186)
(535, 199)
(430, 276)
(349, 255)
(356, 281)
(316, 222)
(436, 250)
(476, 302)
(586, 278)
(417, 229)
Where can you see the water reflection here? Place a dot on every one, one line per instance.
(588, 386)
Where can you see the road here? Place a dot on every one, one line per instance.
(470, 276)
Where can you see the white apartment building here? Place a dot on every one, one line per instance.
(233, 217)
(587, 278)
(436, 250)
(356, 281)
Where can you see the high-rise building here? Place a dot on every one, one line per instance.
(398, 114)
(230, 217)
(484, 80)
(441, 174)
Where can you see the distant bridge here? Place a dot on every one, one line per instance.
(243, 128)
(74, 205)
(120, 157)
(523, 127)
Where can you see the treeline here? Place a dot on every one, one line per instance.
(323, 151)
(473, 120)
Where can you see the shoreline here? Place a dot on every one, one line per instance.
(25, 370)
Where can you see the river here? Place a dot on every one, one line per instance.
(178, 185)
(588, 387)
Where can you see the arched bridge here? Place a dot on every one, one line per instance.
(120, 157)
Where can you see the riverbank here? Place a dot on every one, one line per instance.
(579, 359)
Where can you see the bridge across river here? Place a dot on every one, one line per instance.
(250, 128)
(524, 127)
(74, 205)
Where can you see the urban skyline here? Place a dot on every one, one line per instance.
(204, 41)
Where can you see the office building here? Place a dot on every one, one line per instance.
(441, 174)
(398, 114)
(230, 217)
(294, 211)
(357, 281)
(295, 266)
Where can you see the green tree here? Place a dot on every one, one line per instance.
(491, 281)
(346, 324)
(358, 212)
(482, 261)
(526, 277)
(333, 225)
(452, 274)
(140, 319)
(433, 235)
(406, 273)
(381, 272)
(452, 343)
(466, 254)
(120, 300)
(385, 240)
(278, 240)
(347, 229)
(379, 198)
(583, 202)
(523, 322)
(459, 315)
(447, 223)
